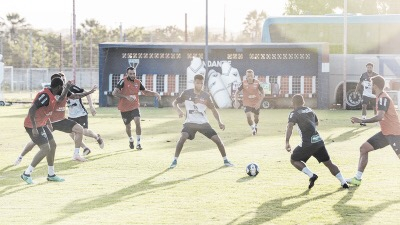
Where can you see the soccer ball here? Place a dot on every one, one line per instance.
(252, 169)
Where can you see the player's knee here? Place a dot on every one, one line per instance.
(77, 129)
(365, 148)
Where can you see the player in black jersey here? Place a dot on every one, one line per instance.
(311, 143)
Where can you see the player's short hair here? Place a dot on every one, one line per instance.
(130, 68)
(298, 100)
(370, 64)
(199, 77)
(59, 75)
(250, 71)
(379, 81)
(57, 81)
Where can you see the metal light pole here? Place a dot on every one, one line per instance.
(206, 48)
(344, 53)
(74, 42)
(30, 61)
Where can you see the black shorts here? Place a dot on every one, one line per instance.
(128, 116)
(193, 128)
(317, 150)
(43, 137)
(64, 125)
(368, 101)
(83, 121)
(380, 141)
(251, 109)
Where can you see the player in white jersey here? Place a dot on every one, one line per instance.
(196, 102)
(368, 98)
(77, 112)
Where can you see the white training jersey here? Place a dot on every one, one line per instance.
(75, 106)
(196, 105)
(367, 84)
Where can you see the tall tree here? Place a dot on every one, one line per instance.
(13, 24)
(322, 7)
(253, 23)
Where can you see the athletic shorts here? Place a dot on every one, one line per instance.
(379, 140)
(64, 125)
(251, 109)
(368, 101)
(193, 128)
(83, 121)
(128, 116)
(43, 137)
(317, 150)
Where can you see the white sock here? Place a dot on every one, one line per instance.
(340, 177)
(50, 170)
(29, 170)
(20, 157)
(131, 139)
(359, 175)
(255, 125)
(138, 139)
(307, 171)
(176, 158)
(76, 151)
(225, 158)
(364, 117)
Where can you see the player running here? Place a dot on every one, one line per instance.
(127, 90)
(35, 125)
(311, 144)
(390, 128)
(78, 113)
(59, 122)
(253, 95)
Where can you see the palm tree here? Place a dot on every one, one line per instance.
(253, 24)
(13, 25)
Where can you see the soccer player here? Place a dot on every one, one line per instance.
(311, 143)
(127, 90)
(35, 125)
(78, 113)
(59, 122)
(390, 128)
(196, 102)
(368, 98)
(253, 95)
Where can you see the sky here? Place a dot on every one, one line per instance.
(57, 14)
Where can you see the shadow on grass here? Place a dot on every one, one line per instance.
(16, 184)
(346, 135)
(105, 200)
(246, 178)
(351, 214)
(276, 208)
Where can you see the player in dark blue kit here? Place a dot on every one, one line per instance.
(311, 143)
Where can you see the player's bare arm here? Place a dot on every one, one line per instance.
(91, 106)
(152, 93)
(262, 95)
(218, 118)
(237, 97)
(177, 108)
(32, 114)
(289, 131)
(65, 91)
(117, 93)
(358, 87)
(83, 94)
(378, 117)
